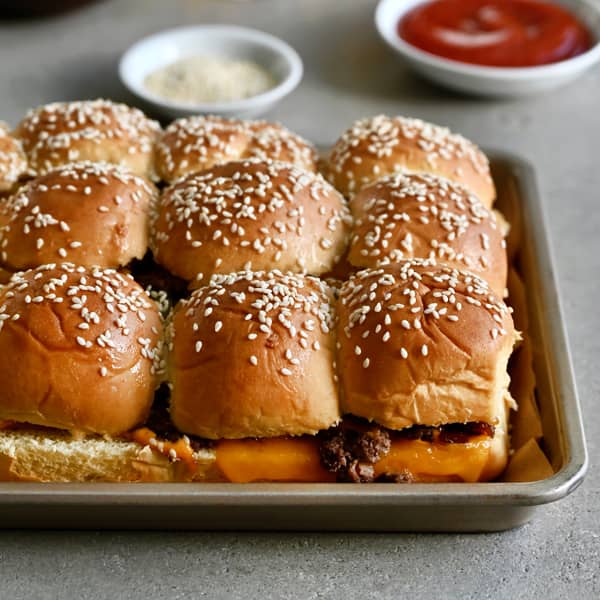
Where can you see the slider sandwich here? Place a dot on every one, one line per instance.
(423, 353)
(196, 143)
(249, 215)
(405, 216)
(56, 134)
(81, 359)
(252, 366)
(378, 146)
(86, 213)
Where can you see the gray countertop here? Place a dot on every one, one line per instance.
(349, 74)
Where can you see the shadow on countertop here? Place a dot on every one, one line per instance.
(36, 9)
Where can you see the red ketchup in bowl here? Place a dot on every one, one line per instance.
(496, 33)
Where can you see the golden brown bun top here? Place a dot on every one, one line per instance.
(91, 214)
(97, 130)
(425, 216)
(250, 214)
(13, 163)
(195, 143)
(382, 145)
(422, 343)
(80, 347)
(252, 356)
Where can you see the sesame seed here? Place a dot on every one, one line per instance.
(366, 363)
(198, 346)
(424, 350)
(285, 371)
(218, 326)
(253, 360)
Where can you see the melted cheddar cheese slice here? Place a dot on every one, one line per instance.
(282, 459)
(438, 462)
(276, 459)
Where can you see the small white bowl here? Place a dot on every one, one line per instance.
(489, 81)
(227, 41)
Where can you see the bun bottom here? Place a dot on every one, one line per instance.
(54, 456)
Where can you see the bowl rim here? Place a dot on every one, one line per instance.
(580, 62)
(256, 36)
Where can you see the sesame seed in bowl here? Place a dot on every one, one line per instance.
(210, 69)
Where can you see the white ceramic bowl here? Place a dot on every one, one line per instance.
(489, 81)
(228, 41)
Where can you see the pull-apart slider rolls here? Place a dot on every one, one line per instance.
(263, 372)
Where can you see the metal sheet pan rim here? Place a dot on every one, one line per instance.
(175, 494)
(449, 494)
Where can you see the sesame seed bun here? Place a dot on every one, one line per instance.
(250, 215)
(80, 349)
(86, 213)
(196, 143)
(97, 130)
(252, 355)
(13, 163)
(423, 344)
(425, 216)
(382, 145)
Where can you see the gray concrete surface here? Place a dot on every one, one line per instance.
(349, 73)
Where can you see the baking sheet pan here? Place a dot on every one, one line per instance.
(373, 507)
